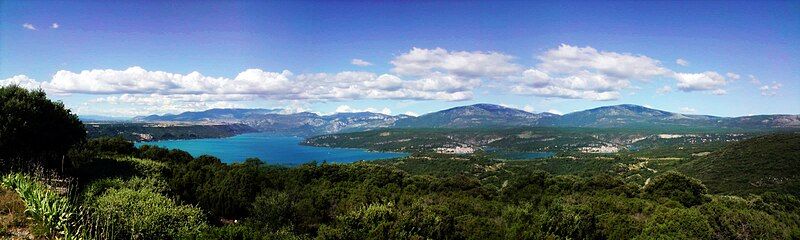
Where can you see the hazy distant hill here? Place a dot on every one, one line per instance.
(766, 163)
(628, 115)
(270, 120)
(217, 114)
(478, 115)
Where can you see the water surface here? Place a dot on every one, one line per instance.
(270, 148)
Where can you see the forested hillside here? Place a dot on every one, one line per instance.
(757, 165)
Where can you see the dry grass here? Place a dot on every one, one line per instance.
(13, 222)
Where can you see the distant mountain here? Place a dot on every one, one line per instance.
(271, 120)
(478, 115)
(305, 123)
(101, 118)
(216, 115)
(628, 115)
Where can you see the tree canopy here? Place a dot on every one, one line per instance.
(33, 128)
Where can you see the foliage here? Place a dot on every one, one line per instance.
(154, 132)
(55, 213)
(34, 129)
(142, 213)
(757, 165)
(675, 186)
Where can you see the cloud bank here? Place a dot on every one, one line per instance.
(567, 71)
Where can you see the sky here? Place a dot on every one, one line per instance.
(121, 58)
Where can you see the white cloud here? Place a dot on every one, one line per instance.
(528, 108)
(573, 59)
(733, 76)
(348, 109)
(754, 80)
(410, 113)
(682, 62)
(553, 111)
(688, 110)
(267, 85)
(29, 26)
(359, 62)
(664, 90)
(54, 25)
(586, 73)
(770, 89)
(581, 85)
(21, 81)
(704, 81)
(477, 64)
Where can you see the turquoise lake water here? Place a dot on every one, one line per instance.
(270, 148)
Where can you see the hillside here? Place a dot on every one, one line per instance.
(165, 131)
(757, 165)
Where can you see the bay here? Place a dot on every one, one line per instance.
(270, 148)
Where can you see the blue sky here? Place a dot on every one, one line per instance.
(125, 59)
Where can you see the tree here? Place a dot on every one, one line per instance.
(35, 129)
(672, 185)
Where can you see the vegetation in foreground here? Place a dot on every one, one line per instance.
(119, 191)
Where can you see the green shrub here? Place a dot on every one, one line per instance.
(671, 185)
(145, 214)
(677, 223)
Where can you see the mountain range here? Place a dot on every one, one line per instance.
(477, 115)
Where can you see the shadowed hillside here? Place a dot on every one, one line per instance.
(766, 163)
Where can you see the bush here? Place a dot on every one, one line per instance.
(145, 214)
(677, 223)
(273, 210)
(675, 186)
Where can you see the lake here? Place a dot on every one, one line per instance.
(270, 148)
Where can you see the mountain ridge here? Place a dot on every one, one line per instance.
(475, 115)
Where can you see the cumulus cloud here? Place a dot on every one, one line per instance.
(682, 62)
(705, 81)
(54, 25)
(770, 89)
(733, 76)
(586, 73)
(263, 84)
(477, 64)
(21, 81)
(29, 26)
(566, 71)
(572, 59)
(359, 62)
(688, 110)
